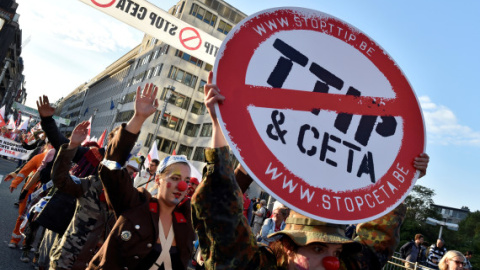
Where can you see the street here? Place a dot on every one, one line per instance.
(10, 258)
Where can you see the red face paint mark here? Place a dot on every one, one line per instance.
(169, 185)
(182, 186)
(331, 263)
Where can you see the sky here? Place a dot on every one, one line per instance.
(435, 43)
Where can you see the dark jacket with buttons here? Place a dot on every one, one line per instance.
(136, 230)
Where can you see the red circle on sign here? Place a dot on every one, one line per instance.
(187, 31)
(103, 5)
(348, 206)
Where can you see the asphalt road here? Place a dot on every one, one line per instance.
(9, 258)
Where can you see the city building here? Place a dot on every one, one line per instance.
(450, 214)
(184, 127)
(12, 86)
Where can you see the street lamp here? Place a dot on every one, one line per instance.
(434, 222)
(170, 89)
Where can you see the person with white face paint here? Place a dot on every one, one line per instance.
(150, 232)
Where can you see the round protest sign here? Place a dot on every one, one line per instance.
(319, 114)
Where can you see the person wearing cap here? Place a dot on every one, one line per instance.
(192, 186)
(227, 242)
(150, 232)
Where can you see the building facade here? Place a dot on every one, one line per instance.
(11, 64)
(450, 214)
(184, 128)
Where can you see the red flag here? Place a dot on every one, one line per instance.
(174, 153)
(89, 129)
(2, 121)
(102, 138)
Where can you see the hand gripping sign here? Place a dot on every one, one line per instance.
(319, 114)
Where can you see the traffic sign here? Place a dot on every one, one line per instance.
(154, 21)
(319, 114)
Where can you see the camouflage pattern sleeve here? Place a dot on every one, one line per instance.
(380, 237)
(225, 238)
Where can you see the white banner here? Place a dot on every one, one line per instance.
(154, 21)
(10, 148)
(34, 113)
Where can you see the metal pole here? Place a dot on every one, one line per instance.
(440, 233)
(164, 108)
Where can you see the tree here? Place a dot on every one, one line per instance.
(419, 207)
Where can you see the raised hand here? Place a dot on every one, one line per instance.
(79, 134)
(146, 104)
(212, 96)
(146, 101)
(44, 108)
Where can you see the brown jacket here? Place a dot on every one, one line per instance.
(136, 229)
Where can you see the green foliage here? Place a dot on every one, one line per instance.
(419, 207)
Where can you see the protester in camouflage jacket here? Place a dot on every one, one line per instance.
(226, 240)
(90, 224)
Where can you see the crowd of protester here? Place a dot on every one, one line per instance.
(103, 208)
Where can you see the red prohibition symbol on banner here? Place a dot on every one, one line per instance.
(99, 3)
(190, 38)
(319, 114)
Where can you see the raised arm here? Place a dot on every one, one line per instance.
(217, 204)
(212, 97)
(61, 167)
(48, 124)
(120, 192)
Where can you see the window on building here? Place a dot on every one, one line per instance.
(192, 129)
(198, 108)
(187, 57)
(185, 150)
(200, 86)
(129, 97)
(149, 140)
(176, 99)
(182, 76)
(203, 14)
(206, 130)
(157, 70)
(146, 59)
(124, 116)
(172, 122)
(224, 27)
(199, 155)
(164, 49)
(208, 67)
(149, 73)
(165, 145)
(156, 54)
(138, 78)
(136, 64)
(224, 11)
